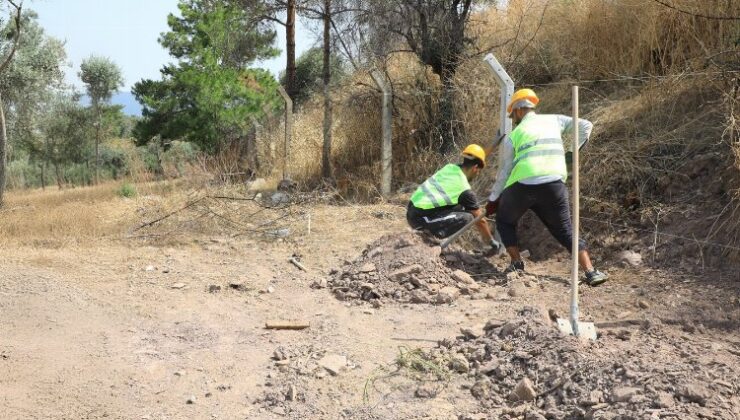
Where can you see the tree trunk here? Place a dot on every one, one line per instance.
(43, 175)
(326, 161)
(451, 129)
(59, 175)
(97, 146)
(3, 148)
(290, 49)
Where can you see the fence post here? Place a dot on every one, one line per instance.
(252, 139)
(507, 91)
(288, 130)
(576, 218)
(386, 151)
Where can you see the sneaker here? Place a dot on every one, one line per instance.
(596, 277)
(515, 267)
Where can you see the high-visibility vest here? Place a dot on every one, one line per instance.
(441, 189)
(538, 149)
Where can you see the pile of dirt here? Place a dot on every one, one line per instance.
(407, 268)
(525, 367)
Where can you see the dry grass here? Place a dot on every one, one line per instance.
(77, 216)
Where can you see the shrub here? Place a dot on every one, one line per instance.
(127, 190)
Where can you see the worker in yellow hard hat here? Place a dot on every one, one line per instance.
(445, 203)
(532, 176)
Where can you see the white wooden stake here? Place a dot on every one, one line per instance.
(576, 219)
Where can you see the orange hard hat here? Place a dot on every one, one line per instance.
(523, 98)
(473, 151)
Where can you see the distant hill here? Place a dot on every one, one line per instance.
(127, 99)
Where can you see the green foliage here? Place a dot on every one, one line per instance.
(127, 190)
(102, 77)
(208, 96)
(309, 70)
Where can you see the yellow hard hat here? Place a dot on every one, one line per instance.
(527, 95)
(473, 151)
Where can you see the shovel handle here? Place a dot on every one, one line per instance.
(464, 229)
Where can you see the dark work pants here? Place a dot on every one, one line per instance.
(440, 224)
(548, 201)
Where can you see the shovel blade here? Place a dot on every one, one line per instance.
(585, 329)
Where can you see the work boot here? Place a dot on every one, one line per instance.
(515, 267)
(596, 277)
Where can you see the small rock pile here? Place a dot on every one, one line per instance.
(403, 268)
(526, 368)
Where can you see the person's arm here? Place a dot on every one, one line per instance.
(482, 226)
(469, 202)
(505, 166)
(584, 128)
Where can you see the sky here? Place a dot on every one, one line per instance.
(126, 31)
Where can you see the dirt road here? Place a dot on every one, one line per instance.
(119, 329)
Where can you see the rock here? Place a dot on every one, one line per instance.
(447, 295)
(191, 400)
(280, 354)
(462, 277)
(630, 258)
(517, 289)
(333, 363)
(178, 286)
(525, 253)
(533, 415)
(624, 394)
(279, 198)
(291, 394)
(180, 373)
(214, 288)
(553, 314)
(426, 391)
(508, 329)
(417, 296)
(489, 368)
(524, 391)
(405, 271)
(594, 397)
(321, 283)
(150, 268)
(473, 332)
(238, 285)
(451, 258)
(270, 289)
(459, 364)
(694, 392)
(481, 389)
(664, 400)
(368, 268)
(643, 304)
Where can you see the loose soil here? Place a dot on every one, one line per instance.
(150, 329)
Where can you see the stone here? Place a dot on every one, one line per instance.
(525, 253)
(321, 283)
(517, 289)
(459, 364)
(291, 394)
(481, 389)
(150, 268)
(473, 332)
(191, 400)
(630, 258)
(533, 415)
(270, 289)
(489, 368)
(643, 304)
(333, 363)
(553, 314)
(594, 398)
(368, 268)
(508, 329)
(214, 288)
(405, 271)
(178, 286)
(524, 391)
(664, 400)
(462, 277)
(447, 295)
(624, 394)
(426, 391)
(417, 296)
(694, 392)
(238, 285)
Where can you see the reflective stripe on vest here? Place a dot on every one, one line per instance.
(441, 189)
(538, 149)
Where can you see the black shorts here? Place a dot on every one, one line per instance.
(441, 223)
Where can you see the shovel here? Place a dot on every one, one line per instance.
(572, 326)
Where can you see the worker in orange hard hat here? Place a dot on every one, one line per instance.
(445, 203)
(532, 176)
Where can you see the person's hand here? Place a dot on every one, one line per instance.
(494, 250)
(492, 207)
